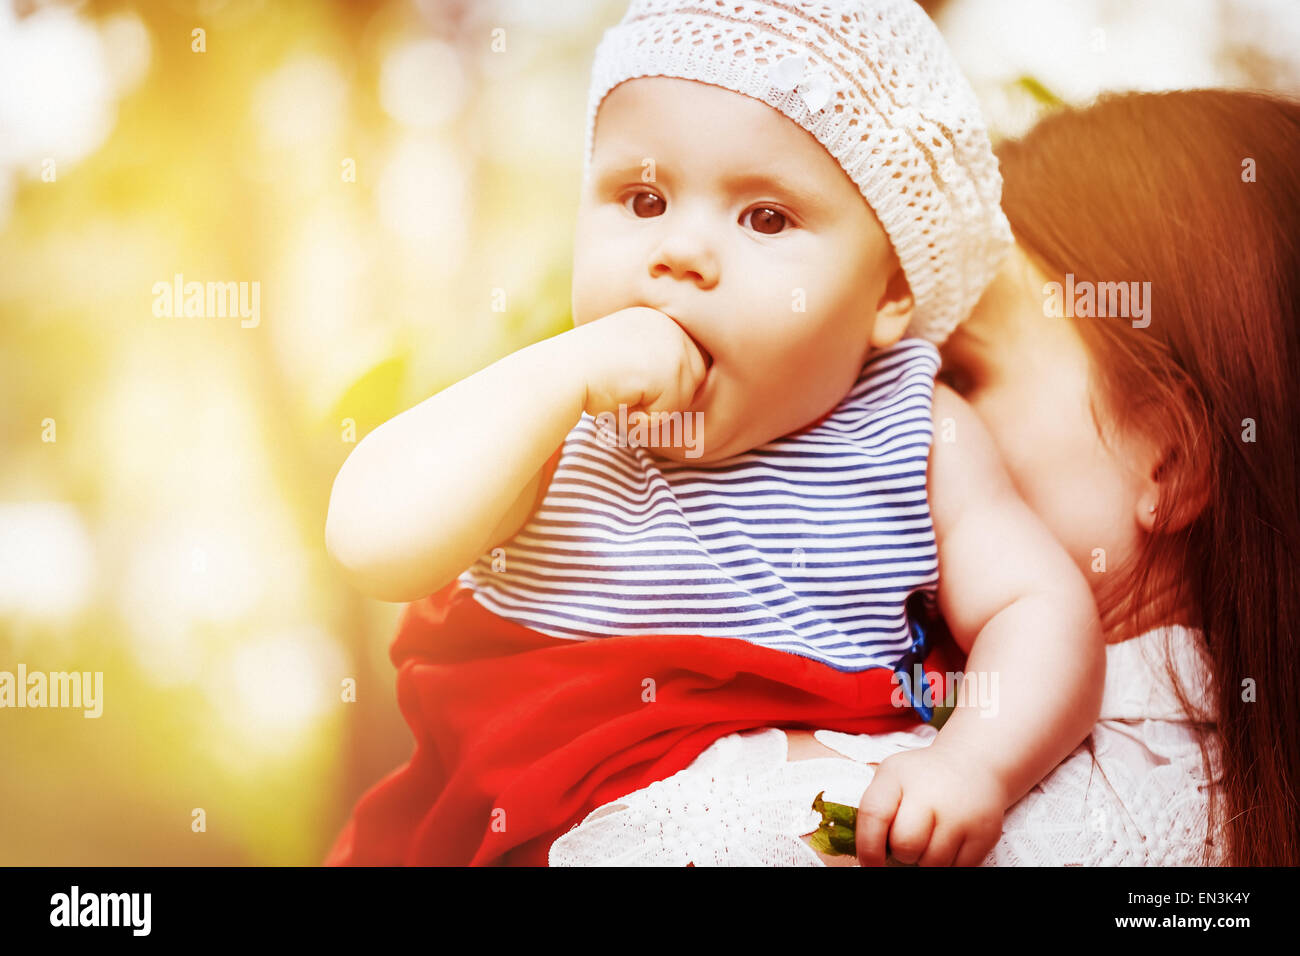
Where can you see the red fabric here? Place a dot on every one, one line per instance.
(535, 732)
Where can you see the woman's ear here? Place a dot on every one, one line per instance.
(1174, 493)
(893, 311)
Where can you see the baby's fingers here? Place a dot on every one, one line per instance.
(910, 835)
(945, 843)
(976, 848)
(875, 814)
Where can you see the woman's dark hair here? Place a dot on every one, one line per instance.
(1198, 193)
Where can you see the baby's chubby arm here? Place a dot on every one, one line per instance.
(1020, 607)
(427, 492)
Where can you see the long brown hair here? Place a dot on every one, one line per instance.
(1198, 192)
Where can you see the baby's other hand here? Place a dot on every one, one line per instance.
(932, 807)
(640, 358)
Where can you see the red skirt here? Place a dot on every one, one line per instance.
(519, 735)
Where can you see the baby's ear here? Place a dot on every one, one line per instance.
(893, 312)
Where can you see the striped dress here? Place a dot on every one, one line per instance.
(810, 544)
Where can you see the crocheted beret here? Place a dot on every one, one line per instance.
(874, 82)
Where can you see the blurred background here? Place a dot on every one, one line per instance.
(385, 172)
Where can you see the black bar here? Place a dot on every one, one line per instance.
(935, 909)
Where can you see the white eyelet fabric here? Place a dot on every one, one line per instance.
(1143, 802)
(874, 82)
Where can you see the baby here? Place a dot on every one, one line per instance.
(787, 208)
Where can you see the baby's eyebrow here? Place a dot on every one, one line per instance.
(751, 182)
(621, 172)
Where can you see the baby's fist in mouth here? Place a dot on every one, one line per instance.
(641, 359)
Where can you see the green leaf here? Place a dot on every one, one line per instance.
(834, 841)
(836, 835)
(821, 842)
(1038, 91)
(940, 716)
(838, 814)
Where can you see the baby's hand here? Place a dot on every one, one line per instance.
(934, 806)
(640, 358)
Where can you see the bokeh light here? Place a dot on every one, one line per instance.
(47, 561)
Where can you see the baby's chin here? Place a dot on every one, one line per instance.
(714, 430)
(686, 445)
(718, 433)
(709, 445)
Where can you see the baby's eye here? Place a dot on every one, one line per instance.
(767, 220)
(646, 204)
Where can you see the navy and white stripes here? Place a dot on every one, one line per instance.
(809, 544)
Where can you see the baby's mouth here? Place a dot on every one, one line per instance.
(707, 355)
(704, 353)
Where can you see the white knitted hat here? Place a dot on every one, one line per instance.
(874, 82)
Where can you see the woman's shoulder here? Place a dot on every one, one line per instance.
(1139, 685)
(1122, 799)
(1139, 780)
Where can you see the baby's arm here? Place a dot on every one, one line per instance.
(418, 499)
(1020, 607)
(427, 492)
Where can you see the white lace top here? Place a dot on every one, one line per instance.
(1143, 802)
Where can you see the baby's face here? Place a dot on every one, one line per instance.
(750, 236)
